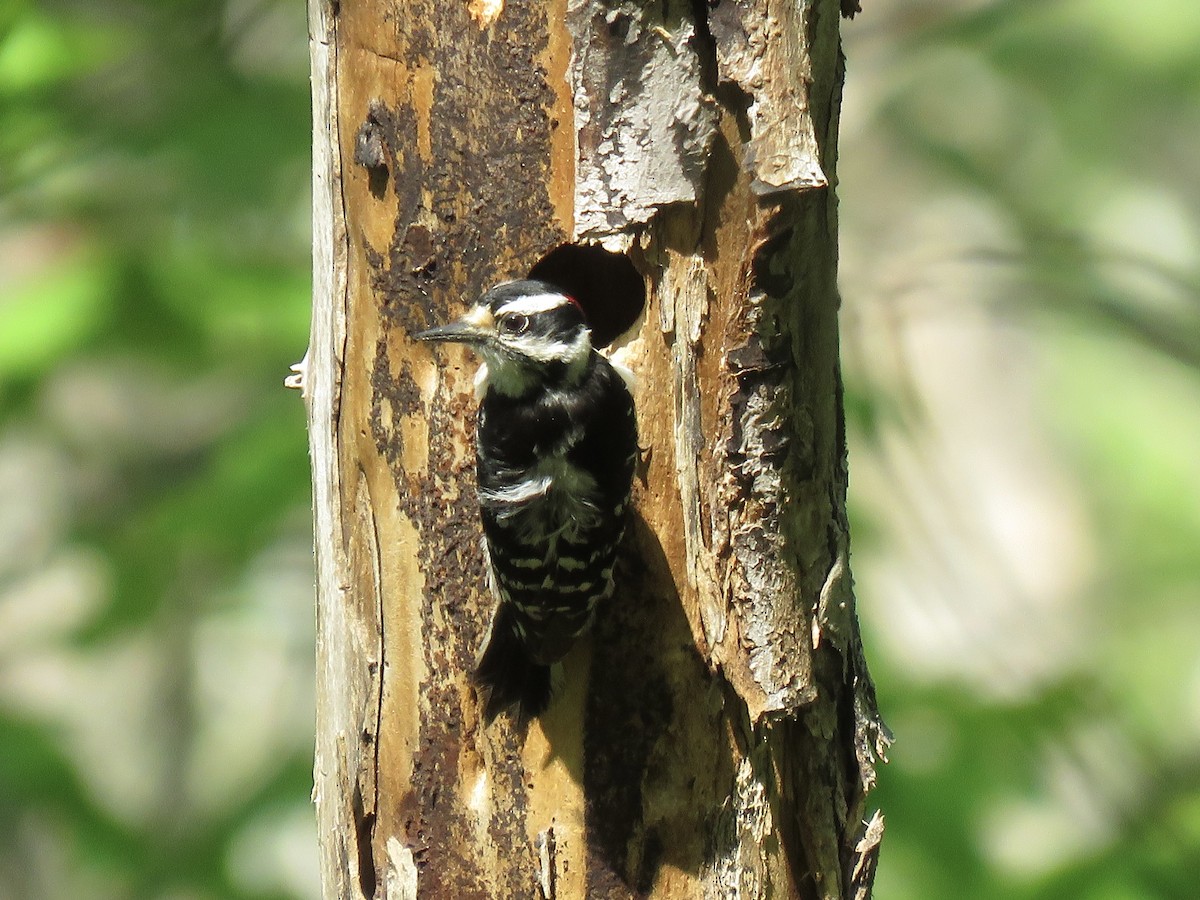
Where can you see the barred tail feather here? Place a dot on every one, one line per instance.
(506, 675)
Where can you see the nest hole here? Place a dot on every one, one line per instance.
(607, 285)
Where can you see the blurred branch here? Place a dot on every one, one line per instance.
(1065, 268)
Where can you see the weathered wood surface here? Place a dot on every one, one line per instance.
(716, 734)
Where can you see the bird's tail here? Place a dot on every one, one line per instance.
(506, 675)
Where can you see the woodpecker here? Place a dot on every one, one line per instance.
(556, 444)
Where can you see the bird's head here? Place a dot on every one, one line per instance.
(529, 333)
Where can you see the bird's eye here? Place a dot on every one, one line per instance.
(514, 323)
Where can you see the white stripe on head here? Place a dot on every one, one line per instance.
(531, 306)
(568, 352)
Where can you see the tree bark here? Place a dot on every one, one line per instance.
(716, 734)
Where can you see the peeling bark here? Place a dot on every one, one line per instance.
(717, 734)
(643, 121)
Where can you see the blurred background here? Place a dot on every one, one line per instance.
(156, 601)
(1020, 207)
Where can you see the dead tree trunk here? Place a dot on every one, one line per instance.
(716, 735)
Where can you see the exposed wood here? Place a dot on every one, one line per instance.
(716, 734)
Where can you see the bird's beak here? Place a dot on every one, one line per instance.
(460, 332)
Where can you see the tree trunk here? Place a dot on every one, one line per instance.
(716, 734)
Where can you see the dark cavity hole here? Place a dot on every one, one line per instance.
(607, 286)
(364, 828)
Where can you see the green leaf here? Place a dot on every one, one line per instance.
(52, 315)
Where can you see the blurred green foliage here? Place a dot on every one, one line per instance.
(155, 574)
(1056, 145)
(155, 586)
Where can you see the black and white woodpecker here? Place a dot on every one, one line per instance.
(556, 444)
